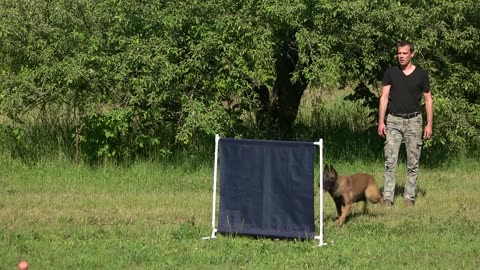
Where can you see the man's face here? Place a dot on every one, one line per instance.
(404, 55)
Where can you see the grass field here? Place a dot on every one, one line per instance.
(149, 216)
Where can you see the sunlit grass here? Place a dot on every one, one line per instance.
(151, 216)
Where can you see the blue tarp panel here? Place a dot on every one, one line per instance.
(266, 188)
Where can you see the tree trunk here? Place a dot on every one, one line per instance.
(279, 107)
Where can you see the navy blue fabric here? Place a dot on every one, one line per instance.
(266, 188)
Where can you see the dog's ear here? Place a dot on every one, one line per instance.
(326, 168)
(333, 170)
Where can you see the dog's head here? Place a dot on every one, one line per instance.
(329, 178)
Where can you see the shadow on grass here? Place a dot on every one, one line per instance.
(400, 190)
(263, 237)
(354, 215)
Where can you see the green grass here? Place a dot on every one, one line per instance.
(150, 216)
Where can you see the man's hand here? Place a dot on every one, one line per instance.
(382, 109)
(427, 133)
(381, 129)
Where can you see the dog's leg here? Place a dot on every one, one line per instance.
(345, 212)
(338, 200)
(338, 205)
(365, 211)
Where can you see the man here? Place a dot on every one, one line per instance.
(403, 88)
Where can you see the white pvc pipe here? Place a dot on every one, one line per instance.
(214, 192)
(320, 192)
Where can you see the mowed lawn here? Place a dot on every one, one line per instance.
(150, 216)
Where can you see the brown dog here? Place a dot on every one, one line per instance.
(346, 190)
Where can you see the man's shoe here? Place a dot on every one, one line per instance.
(409, 202)
(388, 203)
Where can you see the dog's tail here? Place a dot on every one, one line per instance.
(373, 195)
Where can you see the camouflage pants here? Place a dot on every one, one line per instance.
(400, 130)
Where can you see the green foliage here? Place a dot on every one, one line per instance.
(131, 77)
(346, 127)
(457, 129)
(173, 74)
(353, 42)
(31, 143)
(115, 135)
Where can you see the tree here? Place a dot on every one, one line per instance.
(128, 76)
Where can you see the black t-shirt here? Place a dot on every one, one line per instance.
(405, 91)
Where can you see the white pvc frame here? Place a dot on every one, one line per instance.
(214, 192)
(319, 237)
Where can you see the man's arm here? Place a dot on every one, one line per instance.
(427, 133)
(382, 109)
